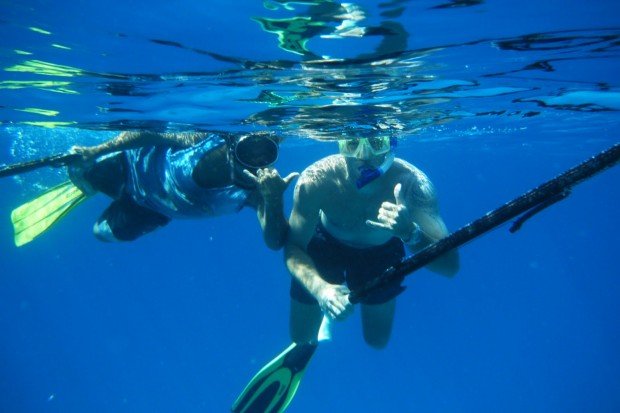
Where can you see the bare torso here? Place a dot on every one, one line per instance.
(345, 209)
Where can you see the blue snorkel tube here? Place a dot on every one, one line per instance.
(367, 175)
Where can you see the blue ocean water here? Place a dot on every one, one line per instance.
(489, 98)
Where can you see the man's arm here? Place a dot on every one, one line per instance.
(415, 219)
(302, 224)
(270, 206)
(431, 228)
(333, 299)
(133, 140)
(420, 199)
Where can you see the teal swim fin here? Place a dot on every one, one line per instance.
(272, 389)
(35, 217)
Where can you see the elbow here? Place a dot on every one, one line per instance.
(291, 257)
(451, 271)
(453, 264)
(447, 265)
(276, 246)
(275, 240)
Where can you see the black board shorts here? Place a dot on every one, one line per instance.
(124, 218)
(339, 263)
(128, 221)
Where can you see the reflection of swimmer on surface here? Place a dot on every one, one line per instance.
(331, 20)
(153, 178)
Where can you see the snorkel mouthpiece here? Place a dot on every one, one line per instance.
(367, 175)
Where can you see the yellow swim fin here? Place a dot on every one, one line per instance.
(33, 218)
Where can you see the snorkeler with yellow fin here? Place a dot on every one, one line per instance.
(153, 178)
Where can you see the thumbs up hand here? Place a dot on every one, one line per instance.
(396, 218)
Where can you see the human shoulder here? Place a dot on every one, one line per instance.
(416, 185)
(193, 138)
(322, 172)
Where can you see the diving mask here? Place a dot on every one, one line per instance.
(256, 151)
(366, 148)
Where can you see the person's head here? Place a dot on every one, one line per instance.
(253, 151)
(368, 158)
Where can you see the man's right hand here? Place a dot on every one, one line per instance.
(334, 301)
(270, 184)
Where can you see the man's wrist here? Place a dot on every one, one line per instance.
(319, 289)
(273, 200)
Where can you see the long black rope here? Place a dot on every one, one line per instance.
(528, 204)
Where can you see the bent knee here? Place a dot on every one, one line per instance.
(378, 342)
(377, 321)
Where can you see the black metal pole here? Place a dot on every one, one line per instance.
(54, 161)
